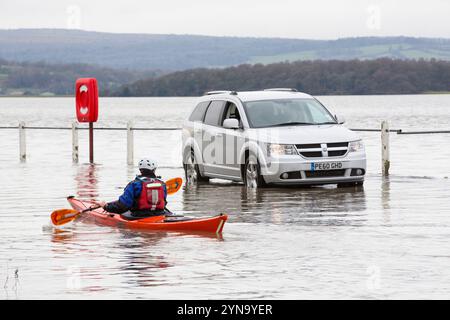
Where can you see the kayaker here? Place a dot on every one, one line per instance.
(145, 196)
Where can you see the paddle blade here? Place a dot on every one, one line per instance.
(173, 185)
(63, 216)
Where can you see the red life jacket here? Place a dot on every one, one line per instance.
(152, 195)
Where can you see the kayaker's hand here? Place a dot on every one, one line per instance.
(102, 204)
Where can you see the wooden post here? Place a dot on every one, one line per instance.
(130, 142)
(74, 142)
(22, 142)
(385, 154)
(91, 142)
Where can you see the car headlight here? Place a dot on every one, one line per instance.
(356, 146)
(274, 149)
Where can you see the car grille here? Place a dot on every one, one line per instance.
(324, 150)
(325, 173)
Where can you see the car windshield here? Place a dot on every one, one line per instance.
(283, 112)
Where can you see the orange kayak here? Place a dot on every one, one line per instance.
(167, 223)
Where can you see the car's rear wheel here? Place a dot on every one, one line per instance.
(191, 170)
(252, 173)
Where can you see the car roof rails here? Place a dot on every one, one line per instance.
(282, 89)
(208, 93)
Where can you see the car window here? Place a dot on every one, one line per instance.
(199, 111)
(214, 112)
(318, 114)
(269, 113)
(231, 112)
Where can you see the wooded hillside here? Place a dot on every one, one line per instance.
(381, 76)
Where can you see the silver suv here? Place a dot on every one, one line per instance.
(275, 136)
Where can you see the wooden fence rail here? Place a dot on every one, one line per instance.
(385, 131)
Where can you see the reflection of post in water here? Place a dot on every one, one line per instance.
(131, 172)
(86, 180)
(386, 197)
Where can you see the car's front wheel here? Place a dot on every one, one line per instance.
(252, 173)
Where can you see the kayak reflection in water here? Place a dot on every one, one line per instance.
(145, 196)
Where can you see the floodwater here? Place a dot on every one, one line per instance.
(390, 239)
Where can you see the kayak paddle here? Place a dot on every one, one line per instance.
(62, 216)
(173, 185)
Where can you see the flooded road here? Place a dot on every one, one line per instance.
(388, 239)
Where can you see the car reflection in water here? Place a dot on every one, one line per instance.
(325, 205)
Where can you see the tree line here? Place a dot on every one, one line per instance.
(332, 77)
(34, 78)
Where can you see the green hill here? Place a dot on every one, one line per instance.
(180, 52)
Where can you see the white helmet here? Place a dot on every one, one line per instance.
(148, 164)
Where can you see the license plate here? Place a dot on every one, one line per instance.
(317, 166)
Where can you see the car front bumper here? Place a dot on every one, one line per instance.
(299, 170)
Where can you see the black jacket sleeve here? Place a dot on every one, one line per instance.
(116, 207)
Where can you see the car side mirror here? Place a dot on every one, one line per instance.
(339, 119)
(231, 124)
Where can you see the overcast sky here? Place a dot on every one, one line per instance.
(312, 19)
